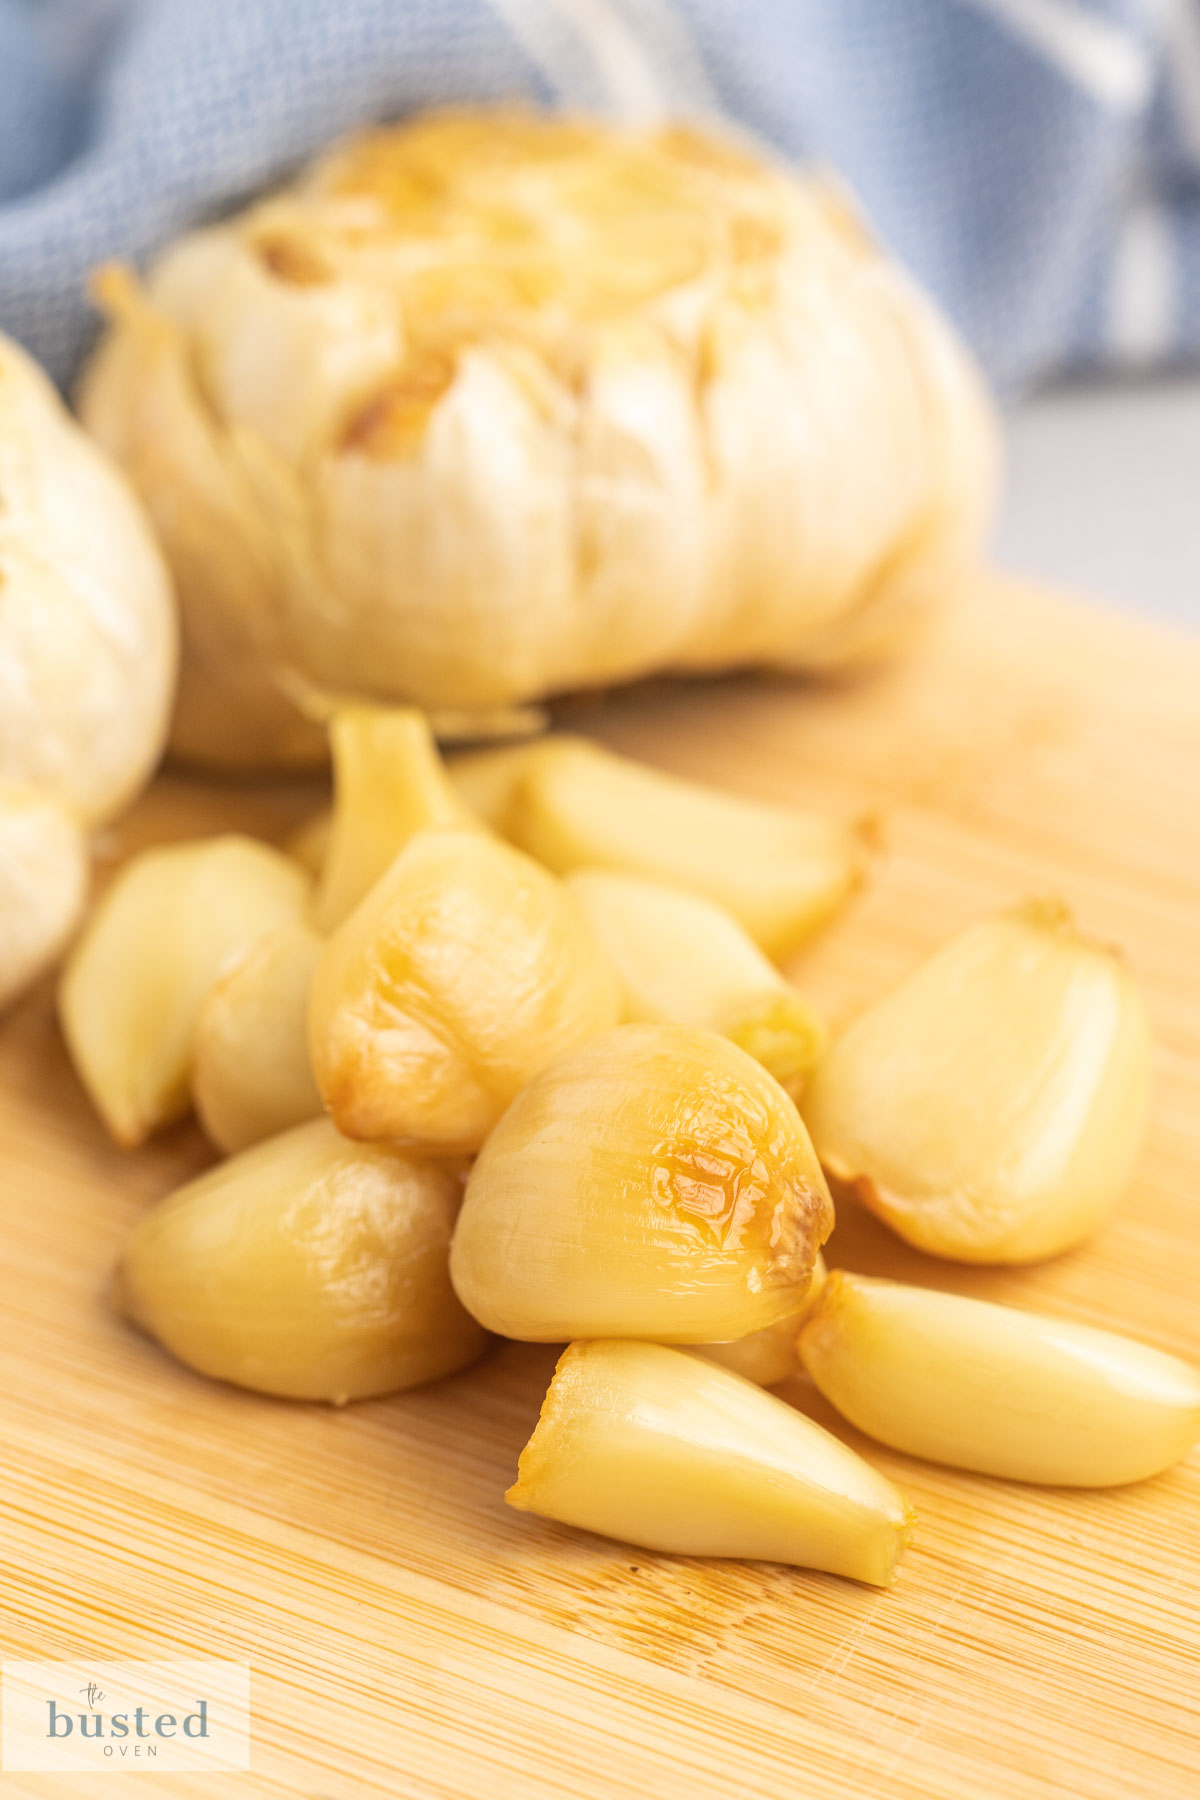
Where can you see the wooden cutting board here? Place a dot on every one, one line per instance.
(409, 1636)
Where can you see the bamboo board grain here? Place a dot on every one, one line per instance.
(411, 1637)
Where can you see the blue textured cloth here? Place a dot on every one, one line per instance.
(1037, 162)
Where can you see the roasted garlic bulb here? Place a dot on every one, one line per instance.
(654, 1183)
(135, 982)
(87, 662)
(488, 405)
(996, 1389)
(462, 973)
(308, 1267)
(991, 1107)
(643, 1443)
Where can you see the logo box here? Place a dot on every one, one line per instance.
(86, 1717)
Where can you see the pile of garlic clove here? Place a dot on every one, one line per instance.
(502, 1050)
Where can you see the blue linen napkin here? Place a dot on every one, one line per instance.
(1037, 162)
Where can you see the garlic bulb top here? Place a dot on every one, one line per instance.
(490, 405)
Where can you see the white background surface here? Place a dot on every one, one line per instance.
(1102, 495)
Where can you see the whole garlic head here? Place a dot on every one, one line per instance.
(489, 406)
(87, 661)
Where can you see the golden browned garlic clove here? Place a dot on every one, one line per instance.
(137, 977)
(251, 1072)
(991, 1107)
(996, 1389)
(781, 872)
(462, 973)
(658, 1448)
(389, 783)
(653, 1183)
(308, 1267)
(771, 1355)
(682, 959)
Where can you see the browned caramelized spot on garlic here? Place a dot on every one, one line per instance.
(726, 1178)
(291, 260)
(391, 423)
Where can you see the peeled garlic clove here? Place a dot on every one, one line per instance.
(771, 1355)
(653, 1183)
(43, 884)
(782, 873)
(464, 971)
(307, 1267)
(662, 1449)
(486, 780)
(251, 1072)
(682, 959)
(137, 977)
(998, 1390)
(389, 783)
(991, 1107)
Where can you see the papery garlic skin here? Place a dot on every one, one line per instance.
(463, 972)
(251, 1071)
(307, 1267)
(992, 1106)
(643, 1443)
(996, 1389)
(136, 979)
(653, 1183)
(491, 405)
(771, 1355)
(43, 884)
(781, 872)
(681, 959)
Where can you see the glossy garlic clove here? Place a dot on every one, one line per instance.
(389, 783)
(781, 872)
(996, 1389)
(771, 1355)
(682, 959)
(307, 1267)
(137, 977)
(463, 972)
(991, 1107)
(644, 1443)
(486, 780)
(653, 1183)
(251, 1071)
